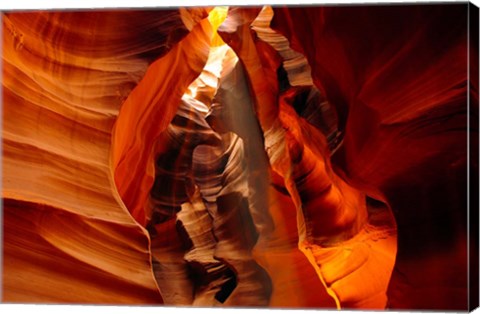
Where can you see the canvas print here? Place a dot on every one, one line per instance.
(321, 156)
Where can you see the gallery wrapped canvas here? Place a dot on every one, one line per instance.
(320, 156)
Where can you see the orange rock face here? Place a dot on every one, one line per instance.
(288, 157)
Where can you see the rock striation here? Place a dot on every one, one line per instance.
(238, 156)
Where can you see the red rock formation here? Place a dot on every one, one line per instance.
(149, 158)
(149, 103)
(329, 211)
(68, 236)
(399, 87)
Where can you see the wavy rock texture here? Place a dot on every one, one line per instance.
(294, 282)
(401, 96)
(329, 211)
(68, 237)
(295, 71)
(237, 156)
(149, 103)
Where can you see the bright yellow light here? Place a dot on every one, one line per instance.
(216, 18)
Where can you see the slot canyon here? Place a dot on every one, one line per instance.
(285, 157)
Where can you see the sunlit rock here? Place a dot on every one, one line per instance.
(307, 157)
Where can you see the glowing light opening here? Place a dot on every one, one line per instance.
(216, 18)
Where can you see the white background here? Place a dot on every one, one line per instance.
(48, 4)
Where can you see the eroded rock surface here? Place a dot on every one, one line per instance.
(237, 156)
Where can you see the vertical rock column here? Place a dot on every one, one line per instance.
(223, 182)
(330, 212)
(174, 186)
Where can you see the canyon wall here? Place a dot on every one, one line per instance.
(243, 156)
